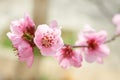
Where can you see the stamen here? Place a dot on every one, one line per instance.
(92, 44)
(67, 51)
(47, 41)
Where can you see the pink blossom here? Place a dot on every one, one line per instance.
(116, 21)
(22, 26)
(96, 49)
(48, 39)
(21, 36)
(53, 24)
(24, 50)
(68, 57)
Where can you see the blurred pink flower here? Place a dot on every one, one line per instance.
(24, 50)
(22, 26)
(68, 57)
(21, 36)
(96, 49)
(48, 39)
(116, 21)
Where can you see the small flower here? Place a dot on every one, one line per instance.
(24, 28)
(21, 36)
(116, 21)
(96, 50)
(68, 57)
(48, 39)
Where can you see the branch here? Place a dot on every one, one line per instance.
(75, 46)
(78, 46)
(113, 38)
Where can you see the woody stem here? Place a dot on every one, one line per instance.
(113, 38)
(76, 46)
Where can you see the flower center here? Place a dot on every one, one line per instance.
(47, 41)
(29, 35)
(67, 52)
(92, 44)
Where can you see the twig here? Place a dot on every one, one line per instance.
(113, 38)
(78, 46)
(75, 46)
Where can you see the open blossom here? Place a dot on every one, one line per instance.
(48, 39)
(21, 36)
(95, 49)
(68, 57)
(116, 21)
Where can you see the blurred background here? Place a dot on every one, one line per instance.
(72, 15)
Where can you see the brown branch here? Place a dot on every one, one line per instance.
(113, 38)
(75, 46)
(108, 41)
(78, 46)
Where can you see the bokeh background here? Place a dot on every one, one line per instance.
(72, 15)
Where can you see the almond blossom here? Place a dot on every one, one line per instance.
(67, 57)
(48, 39)
(116, 21)
(21, 36)
(96, 49)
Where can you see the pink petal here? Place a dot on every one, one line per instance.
(88, 29)
(16, 27)
(28, 20)
(58, 57)
(76, 60)
(48, 51)
(100, 60)
(103, 51)
(54, 24)
(25, 50)
(59, 44)
(25, 53)
(16, 40)
(101, 36)
(116, 19)
(65, 64)
(30, 61)
(90, 57)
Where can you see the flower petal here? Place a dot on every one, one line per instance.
(65, 64)
(90, 57)
(28, 21)
(101, 37)
(103, 51)
(116, 19)
(54, 24)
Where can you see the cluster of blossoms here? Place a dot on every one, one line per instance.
(47, 38)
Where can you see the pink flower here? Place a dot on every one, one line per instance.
(116, 21)
(48, 39)
(68, 57)
(22, 26)
(24, 50)
(21, 36)
(96, 49)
